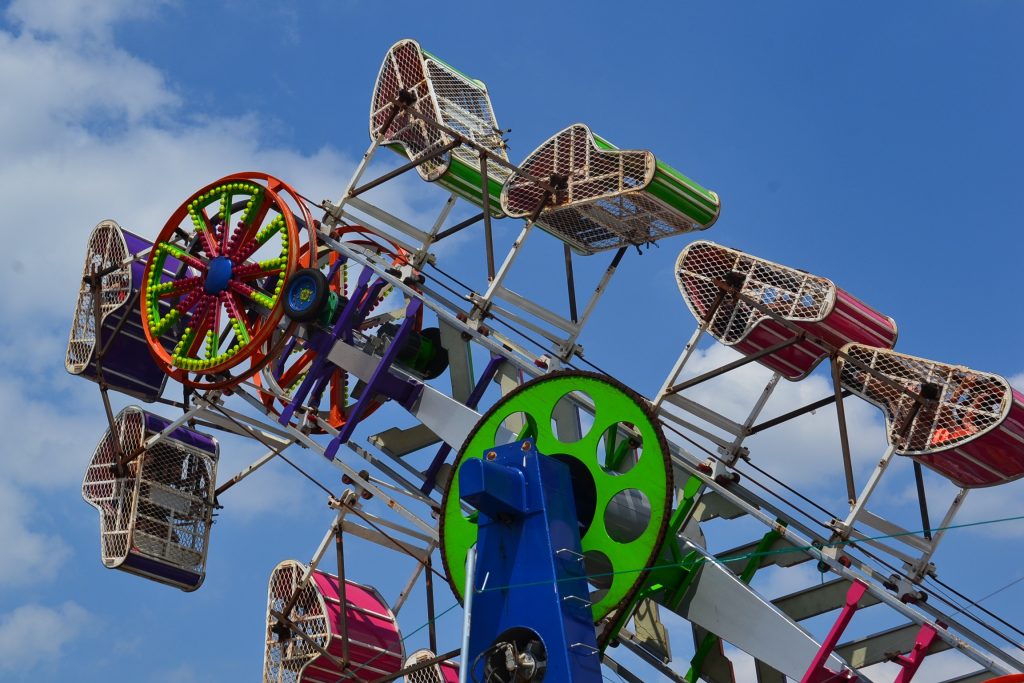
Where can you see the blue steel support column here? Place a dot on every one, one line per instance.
(529, 561)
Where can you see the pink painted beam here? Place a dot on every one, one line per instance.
(818, 672)
(912, 662)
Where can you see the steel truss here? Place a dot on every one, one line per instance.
(447, 418)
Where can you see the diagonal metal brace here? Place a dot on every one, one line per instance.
(321, 344)
(382, 382)
(486, 376)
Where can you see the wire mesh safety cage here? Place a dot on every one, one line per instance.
(155, 518)
(605, 197)
(106, 249)
(933, 409)
(441, 94)
(445, 672)
(793, 294)
(286, 657)
(374, 643)
(710, 274)
(126, 364)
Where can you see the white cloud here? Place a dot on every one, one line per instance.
(995, 503)
(29, 556)
(987, 508)
(34, 634)
(52, 444)
(95, 133)
(274, 488)
(78, 18)
(804, 451)
(1017, 381)
(60, 90)
(49, 446)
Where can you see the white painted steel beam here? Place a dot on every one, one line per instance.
(724, 605)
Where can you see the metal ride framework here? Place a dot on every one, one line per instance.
(253, 368)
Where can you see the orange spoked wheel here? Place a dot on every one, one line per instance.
(285, 373)
(211, 294)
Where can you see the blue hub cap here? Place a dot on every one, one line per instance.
(301, 292)
(218, 275)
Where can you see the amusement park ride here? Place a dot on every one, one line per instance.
(291, 329)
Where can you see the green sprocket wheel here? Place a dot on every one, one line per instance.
(604, 476)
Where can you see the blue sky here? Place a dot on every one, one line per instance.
(875, 144)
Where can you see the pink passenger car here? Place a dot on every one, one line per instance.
(374, 643)
(966, 425)
(810, 303)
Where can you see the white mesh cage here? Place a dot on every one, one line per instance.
(106, 249)
(962, 404)
(328, 633)
(114, 497)
(601, 200)
(589, 172)
(155, 520)
(442, 94)
(428, 674)
(285, 656)
(790, 293)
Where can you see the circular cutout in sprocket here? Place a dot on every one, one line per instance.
(613, 403)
